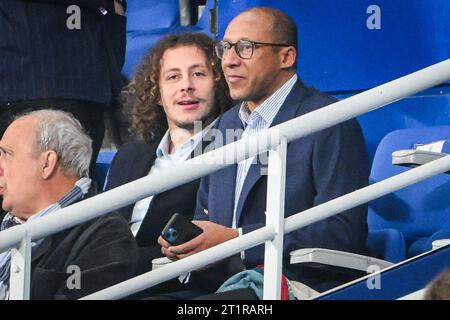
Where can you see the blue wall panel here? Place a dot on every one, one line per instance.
(338, 51)
(340, 55)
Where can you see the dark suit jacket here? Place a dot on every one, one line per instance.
(40, 58)
(320, 167)
(104, 249)
(133, 161)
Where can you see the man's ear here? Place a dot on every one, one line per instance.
(50, 163)
(288, 57)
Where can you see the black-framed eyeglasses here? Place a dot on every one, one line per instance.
(244, 48)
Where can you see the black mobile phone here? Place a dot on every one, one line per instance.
(179, 230)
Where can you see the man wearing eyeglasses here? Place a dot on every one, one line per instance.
(259, 52)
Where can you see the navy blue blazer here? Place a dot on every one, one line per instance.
(320, 167)
(40, 58)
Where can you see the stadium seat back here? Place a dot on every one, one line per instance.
(405, 223)
(103, 163)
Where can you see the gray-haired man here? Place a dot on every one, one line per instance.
(44, 165)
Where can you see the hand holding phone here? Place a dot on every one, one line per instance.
(179, 230)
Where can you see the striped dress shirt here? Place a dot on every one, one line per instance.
(261, 118)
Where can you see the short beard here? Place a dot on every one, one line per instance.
(190, 126)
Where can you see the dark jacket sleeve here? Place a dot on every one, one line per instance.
(113, 177)
(339, 166)
(201, 208)
(106, 254)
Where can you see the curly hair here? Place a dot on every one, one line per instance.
(141, 97)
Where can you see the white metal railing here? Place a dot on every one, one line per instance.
(291, 223)
(275, 140)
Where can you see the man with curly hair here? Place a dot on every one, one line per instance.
(178, 86)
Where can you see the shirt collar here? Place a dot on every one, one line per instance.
(188, 146)
(163, 147)
(268, 109)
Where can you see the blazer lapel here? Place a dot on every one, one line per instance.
(257, 170)
(41, 249)
(253, 175)
(143, 160)
(225, 179)
(290, 106)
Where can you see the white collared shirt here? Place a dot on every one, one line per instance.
(164, 160)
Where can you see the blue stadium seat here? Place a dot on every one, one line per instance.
(103, 163)
(405, 223)
(147, 22)
(402, 224)
(204, 21)
(426, 109)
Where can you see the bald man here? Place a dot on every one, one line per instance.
(259, 56)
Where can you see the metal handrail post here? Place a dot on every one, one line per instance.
(20, 272)
(273, 255)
